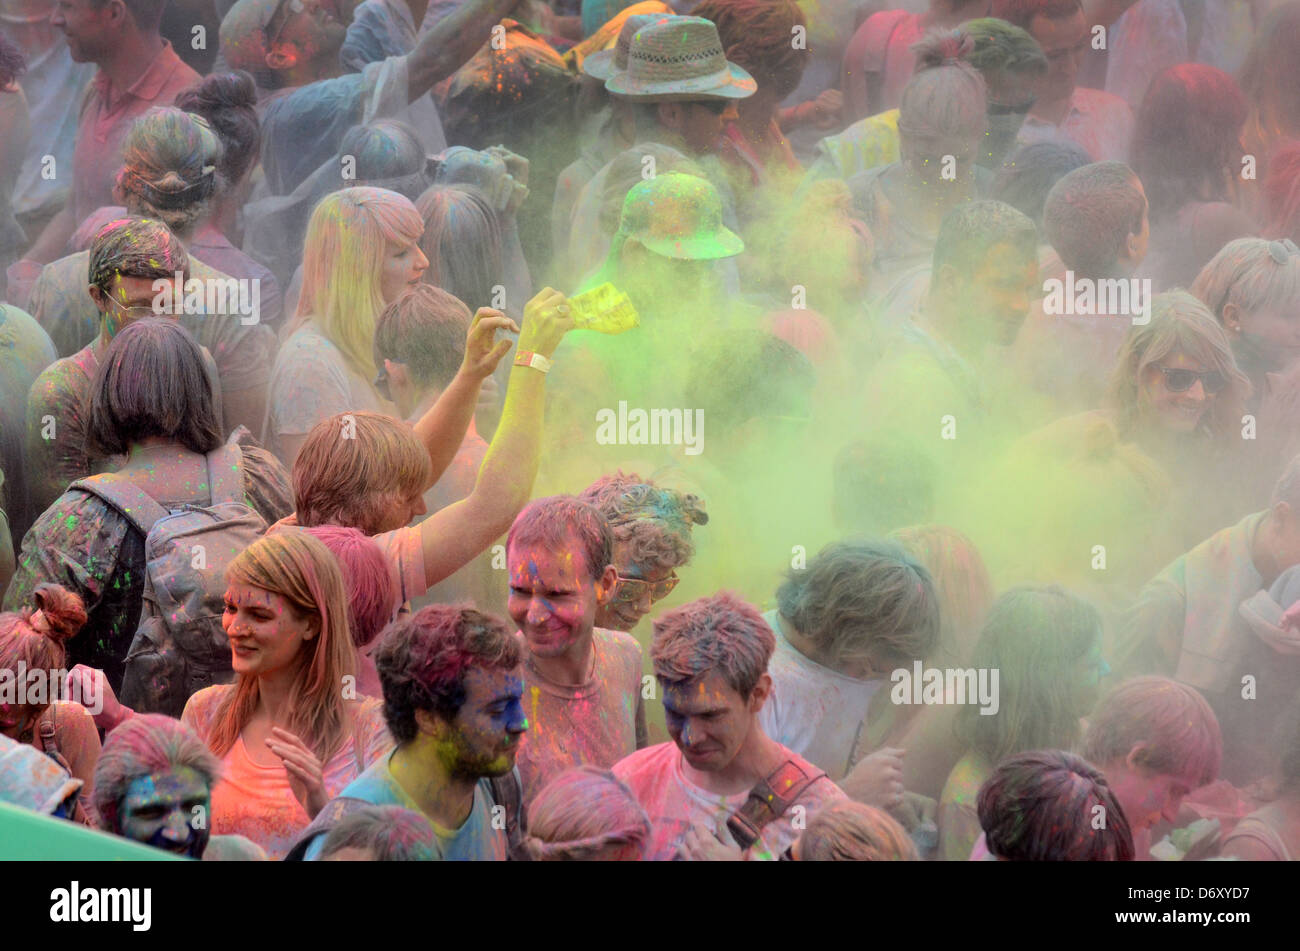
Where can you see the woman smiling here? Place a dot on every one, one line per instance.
(288, 731)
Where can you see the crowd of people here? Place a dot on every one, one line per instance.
(919, 478)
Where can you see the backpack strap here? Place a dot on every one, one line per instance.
(125, 497)
(769, 800)
(226, 474)
(507, 791)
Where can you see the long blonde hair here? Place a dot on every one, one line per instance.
(343, 259)
(299, 568)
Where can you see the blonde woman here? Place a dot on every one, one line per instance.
(288, 736)
(361, 253)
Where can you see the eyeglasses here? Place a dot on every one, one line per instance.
(1180, 381)
(631, 590)
(134, 312)
(1279, 251)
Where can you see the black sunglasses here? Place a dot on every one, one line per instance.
(1180, 381)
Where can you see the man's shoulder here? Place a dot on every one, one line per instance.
(618, 644)
(646, 762)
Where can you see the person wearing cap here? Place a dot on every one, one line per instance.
(682, 92)
(610, 130)
(138, 69)
(670, 237)
(292, 49)
(32, 780)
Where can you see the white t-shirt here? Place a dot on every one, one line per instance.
(813, 710)
(311, 381)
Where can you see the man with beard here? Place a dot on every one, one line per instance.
(452, 699)
(153, 784)
(584, 682)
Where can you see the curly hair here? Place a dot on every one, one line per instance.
(654, 523)
(423, 658)
(12, 62)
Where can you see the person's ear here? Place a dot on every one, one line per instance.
(430, 724)
(605, 584)
(1232, 317)
(762, 690)
(282, 56)
(313, 628)
(99, 297)
(1135, 757)
(944, 279)
(397, 373)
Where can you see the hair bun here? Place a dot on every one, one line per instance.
(63, 611)
(232, 90)
(943, 49)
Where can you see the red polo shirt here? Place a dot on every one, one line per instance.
(106, 116)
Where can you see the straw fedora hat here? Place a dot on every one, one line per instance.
(679, 58)
(606, 63)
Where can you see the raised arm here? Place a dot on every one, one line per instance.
(456, 534)
(442, 428)
(452, 42)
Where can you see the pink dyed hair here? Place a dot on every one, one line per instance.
(1172, 721)
(146, 744)
(581, 812)
(369, 579)
(719, 633)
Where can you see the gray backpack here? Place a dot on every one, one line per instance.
(179, 646)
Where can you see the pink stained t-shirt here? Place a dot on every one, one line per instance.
(674, 804)
(106, 117)
(256, 801)
(595, 723)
